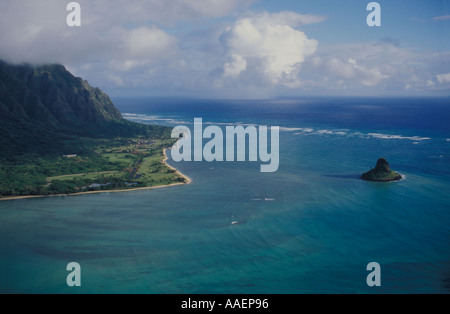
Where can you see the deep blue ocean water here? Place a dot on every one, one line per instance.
(310, 227)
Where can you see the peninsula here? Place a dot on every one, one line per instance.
(381, 173)
(61, 136)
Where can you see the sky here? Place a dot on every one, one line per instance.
(237, 48)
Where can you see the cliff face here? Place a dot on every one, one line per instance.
(46, 110)
(51, 95)
(381, 173)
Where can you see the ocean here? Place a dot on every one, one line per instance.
(311, 227)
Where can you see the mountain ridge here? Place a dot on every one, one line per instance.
(43, 106)
(51, 94)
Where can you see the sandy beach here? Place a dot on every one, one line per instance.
(166, 158)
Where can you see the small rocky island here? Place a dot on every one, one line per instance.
(381, 173)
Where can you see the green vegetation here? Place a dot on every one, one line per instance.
(47, 116)
(381, 173)
(121, 163)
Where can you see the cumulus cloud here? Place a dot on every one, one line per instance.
(443, 78)
(29, 27)
(374, 67)
(235, 67)
(179, 46)
(268, 45)
(143, 46)
(350, 69)
(144, 42)
(36, 31)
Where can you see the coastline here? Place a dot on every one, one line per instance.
(188, 179)
(166, 158)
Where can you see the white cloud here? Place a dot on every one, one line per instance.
(178, 46)
(269, 46)
(36, 31)
(144, 43)
(373, 67)
(443, 78)
(368, 76)
(143, 46)
(235, 67)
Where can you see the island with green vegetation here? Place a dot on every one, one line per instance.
(381, 173)
(59, 135)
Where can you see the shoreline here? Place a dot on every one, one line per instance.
(188, 179)
(166, 158)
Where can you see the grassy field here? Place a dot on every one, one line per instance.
(89, 175)
(122, 163)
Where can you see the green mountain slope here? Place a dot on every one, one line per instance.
(50, 94)
(41, 107)
(59, 135)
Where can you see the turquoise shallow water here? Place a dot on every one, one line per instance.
(313, 226)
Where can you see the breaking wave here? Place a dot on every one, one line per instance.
(309, 131)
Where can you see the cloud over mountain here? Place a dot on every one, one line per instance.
(213, 47)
